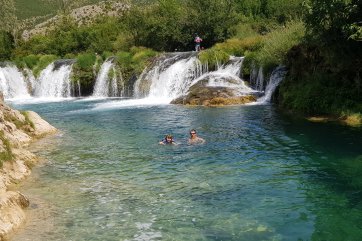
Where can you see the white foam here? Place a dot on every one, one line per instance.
(40, 100)
(133, 103)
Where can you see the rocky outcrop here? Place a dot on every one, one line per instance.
(17, 130)
(201, 94)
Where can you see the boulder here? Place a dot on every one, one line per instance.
(41, 127)
(12, 214)
(201, 94)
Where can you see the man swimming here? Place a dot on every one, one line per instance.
(194, 139)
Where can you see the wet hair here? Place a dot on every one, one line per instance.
(168, 136)
(193, 130)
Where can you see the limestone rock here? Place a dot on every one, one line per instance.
(200, 94)
(11, 210)
(16, 131)
(41, 126)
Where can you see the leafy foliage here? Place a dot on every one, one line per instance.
(6, 45)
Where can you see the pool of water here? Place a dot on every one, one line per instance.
(260, 175)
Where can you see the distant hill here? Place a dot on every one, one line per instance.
(26, 9)
(44, 17)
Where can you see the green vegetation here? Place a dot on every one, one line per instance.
(35, 62)
(325, 70)
(27, 9)
(7, 154)
(83, 71)
(318, 41)
(6, 45)
(275, 46)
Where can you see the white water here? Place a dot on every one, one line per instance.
(105, 86)
(257, 79)
(12, 83)
(54, 83)
(276, 77)
(30, 79)
(170, 77)
(227, 75)
(173, 76)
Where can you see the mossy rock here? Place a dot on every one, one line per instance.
(200, 94)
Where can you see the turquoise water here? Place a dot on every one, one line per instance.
(260, 175)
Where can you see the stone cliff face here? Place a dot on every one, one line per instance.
(17, 130)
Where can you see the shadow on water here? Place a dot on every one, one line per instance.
(334, 171)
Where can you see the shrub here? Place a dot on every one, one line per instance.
(277, 43)
(31, 60)
(7, 154)
(213, 57)
(43, 62)
(86, 60)
(238, 47)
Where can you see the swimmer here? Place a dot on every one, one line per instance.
(168, 140)
(194, 139)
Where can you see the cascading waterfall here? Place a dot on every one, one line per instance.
(169, 77)
(257, 79)
(173, 74)
(275, 78)
(12, 83)
(227, 75)
(106, 86)
(54, 80)
(29, 79)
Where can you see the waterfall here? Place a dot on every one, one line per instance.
(106, 86)
(12, 83)
(173, 74)
(227, 75)
(54, 80)
(276, 77)
(170, 76)
(29, 79)
(257, 79)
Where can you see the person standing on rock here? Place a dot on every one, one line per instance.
(197, 41)
(194, 139)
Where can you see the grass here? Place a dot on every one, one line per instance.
(6, 155)
(276, 45)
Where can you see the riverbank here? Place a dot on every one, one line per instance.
(17, 130)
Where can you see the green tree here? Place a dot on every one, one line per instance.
(6, 45)
(7, 28)
(333, 21)
(212, 19)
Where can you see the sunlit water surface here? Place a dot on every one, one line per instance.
(260, 175)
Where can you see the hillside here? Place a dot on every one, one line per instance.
(26, 9)
(81, 15)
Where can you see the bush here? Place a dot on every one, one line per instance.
(6, 45)
(238, 47)
(83, 71)
(213, 57)
(276, 44)
(31, 60)
(7, 154)
(85, 61)
(43, 62)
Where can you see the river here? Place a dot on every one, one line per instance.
(261, 175)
